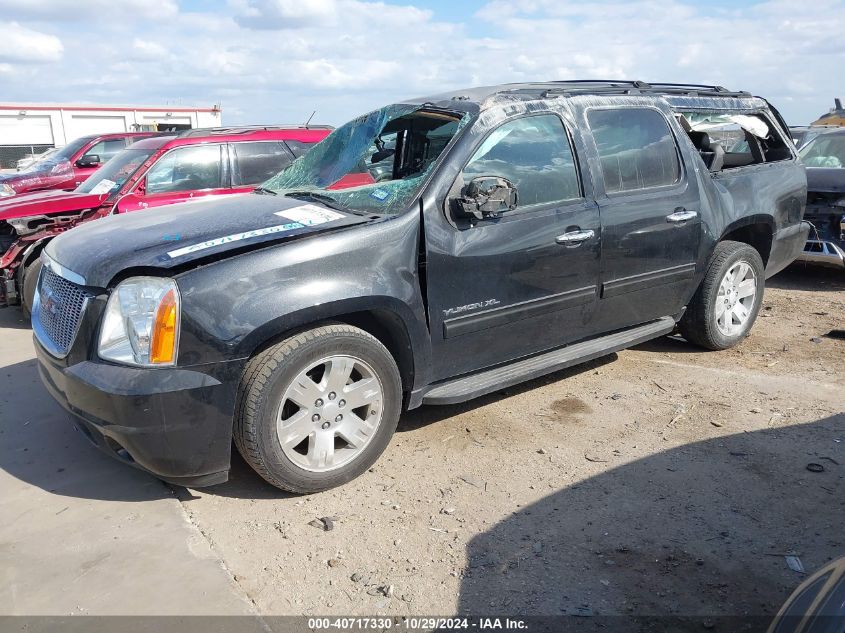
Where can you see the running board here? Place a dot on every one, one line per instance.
(479, 384)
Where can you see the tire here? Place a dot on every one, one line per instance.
(284, 389)
(700, 324)
(28, 284)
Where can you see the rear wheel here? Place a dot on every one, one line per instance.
(726, 304)
(28, 284)
(317, 409)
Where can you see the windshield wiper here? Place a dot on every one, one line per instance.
(319, 197)
(263, 191)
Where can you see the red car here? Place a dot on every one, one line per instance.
(150, 173)
(70, 165)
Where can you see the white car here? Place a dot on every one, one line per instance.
(31, 159)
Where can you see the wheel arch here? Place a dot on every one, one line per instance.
(387, 319)
(755, 230)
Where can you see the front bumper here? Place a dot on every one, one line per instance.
(787, 245)
(173, 423)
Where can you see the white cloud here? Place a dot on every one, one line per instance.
(69, 10)
(284, 14)
(21, 45)
(275, 60)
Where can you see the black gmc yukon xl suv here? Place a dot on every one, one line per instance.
(426, 253)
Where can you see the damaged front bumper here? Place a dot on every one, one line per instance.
(8, 289)
(173, 423)
(824, 252)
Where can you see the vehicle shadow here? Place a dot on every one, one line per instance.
(12, 317)
(803, 276)
(40, 446)
(697, 531)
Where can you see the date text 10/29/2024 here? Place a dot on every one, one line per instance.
(416, 624)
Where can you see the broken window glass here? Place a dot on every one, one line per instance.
(747, 139)
(375, 163)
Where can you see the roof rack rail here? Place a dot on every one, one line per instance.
(603, 86)
(245, 129)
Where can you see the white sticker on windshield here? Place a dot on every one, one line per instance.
(310, 214)
(219, 241)
(104, 186)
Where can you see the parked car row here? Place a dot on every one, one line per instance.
(431, 251)
(824, 157)
(154, 171)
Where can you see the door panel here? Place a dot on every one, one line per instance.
(651, 228)
(182, 174)
(509, 286)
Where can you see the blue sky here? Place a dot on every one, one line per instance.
(272, 61)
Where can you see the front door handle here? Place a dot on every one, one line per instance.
(575, 237)
(681, 215)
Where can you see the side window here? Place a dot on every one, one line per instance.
(735, 140)
(534, 154)
(256, 162)
(186, 169)
(107, 149)
(299, 148)
(636, 149)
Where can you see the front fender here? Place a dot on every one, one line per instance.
(232, 307)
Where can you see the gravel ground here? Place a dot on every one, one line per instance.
(661, 480)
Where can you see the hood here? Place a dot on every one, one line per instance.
(47, 203)
(825, 180)
(174, 235)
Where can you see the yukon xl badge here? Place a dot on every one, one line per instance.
(470, 306)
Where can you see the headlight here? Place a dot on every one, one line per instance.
(6, 190)
(141, 323)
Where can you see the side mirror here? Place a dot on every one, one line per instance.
(89, 160)
(487, 197)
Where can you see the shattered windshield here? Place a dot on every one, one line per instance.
(111, 176)
(373, 164)
(825, 150)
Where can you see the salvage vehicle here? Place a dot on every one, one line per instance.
(67, 167)
(824, 157)
(152, 172)
(522, 229)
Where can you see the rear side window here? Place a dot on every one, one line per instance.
(186, 169)
(299, 147)
(636, 149)
(259, 161)
(534, 154)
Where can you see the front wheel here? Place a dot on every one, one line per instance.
(726, 304)
(317, 409)
(29, 281)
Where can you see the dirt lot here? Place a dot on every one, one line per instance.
(661, 480)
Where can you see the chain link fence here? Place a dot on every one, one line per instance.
(11, 154)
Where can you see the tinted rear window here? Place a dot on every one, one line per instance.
(259, 161)
(636, 149)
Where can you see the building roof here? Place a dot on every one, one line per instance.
(105, 108)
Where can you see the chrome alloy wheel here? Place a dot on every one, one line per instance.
(735, 299)
(329, 413)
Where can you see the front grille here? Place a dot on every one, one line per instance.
(60, 306)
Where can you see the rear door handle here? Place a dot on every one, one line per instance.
(575, 237)
(681, 215)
